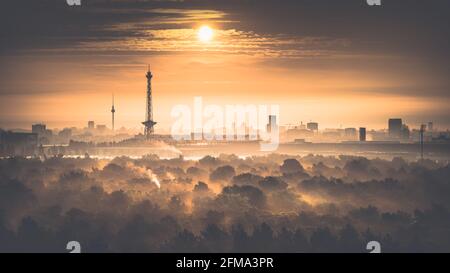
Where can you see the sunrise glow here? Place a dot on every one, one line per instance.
(205, 34)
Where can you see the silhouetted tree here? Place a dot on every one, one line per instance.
(322, 240)
(301, 244)
(241, 240)
(262, 239)
(216, 240)
(349, 240)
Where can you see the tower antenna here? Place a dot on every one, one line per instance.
(149, 123)
(113, 111)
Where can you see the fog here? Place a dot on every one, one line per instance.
(273, 203)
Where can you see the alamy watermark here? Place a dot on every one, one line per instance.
(73, 2)
(373, 2)
(230, 123)
(374, 247)
(74, 247)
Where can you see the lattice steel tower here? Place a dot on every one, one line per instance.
(149, 123)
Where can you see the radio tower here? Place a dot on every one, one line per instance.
(113, 111)
(149, 123)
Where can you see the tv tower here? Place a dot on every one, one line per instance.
(113, 111)
(149, 123)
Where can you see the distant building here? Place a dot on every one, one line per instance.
(332, 134)
(405, 132)
(91, 125)
(272, 123)
(378, 135)
(65, 134)
(18, 144)
(350, 133)
(101, 128)
(395, 127)
(44, 135)
(38, 128)
(302, 126)
(297, 133)
(362, 134)
(313, 126)
(430, 126)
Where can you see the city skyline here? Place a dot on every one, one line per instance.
(335, 72)
(166, 130)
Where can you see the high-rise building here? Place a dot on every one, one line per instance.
(272, 119)
(313, 126)
(430, 126)
(272, 123)
(91, 125)
(362, 134)
(395, 127)
(149, 123)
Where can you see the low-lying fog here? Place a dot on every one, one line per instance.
(273, 203)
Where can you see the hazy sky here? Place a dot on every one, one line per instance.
(341, 63)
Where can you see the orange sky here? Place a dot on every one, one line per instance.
(335, 81)
(333, 98)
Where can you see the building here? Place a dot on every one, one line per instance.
(44, 135)
(332, 134)
(65, 135)
(405, 132)
(350, 133)
(378, 135)
(362, 134)
(38, 128)
(301, 126)
(101, 128)
(395, 128)
(430, 126)
(272, 123)
(313, 126)
(91, 125)
(297, 133)
(18, 144)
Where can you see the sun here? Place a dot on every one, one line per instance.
(205, 34)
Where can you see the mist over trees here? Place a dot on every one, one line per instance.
(274, 203)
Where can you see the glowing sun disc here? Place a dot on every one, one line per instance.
(205, 34)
